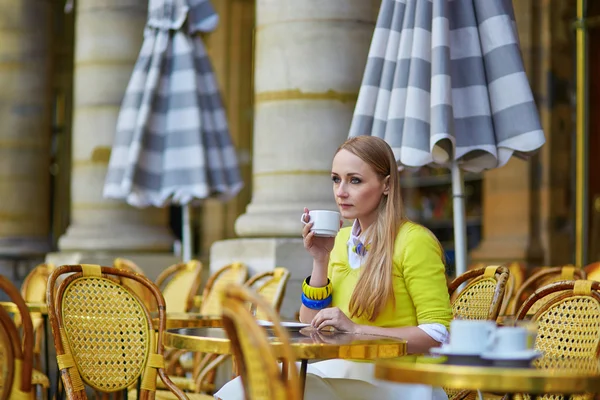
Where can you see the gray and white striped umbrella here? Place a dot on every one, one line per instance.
(445, 81)
(172, 143)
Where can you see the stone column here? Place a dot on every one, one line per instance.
(25, 122)
(108, 37)
(309, 62)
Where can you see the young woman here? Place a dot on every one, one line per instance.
(383, 276)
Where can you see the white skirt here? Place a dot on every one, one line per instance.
(345, 380)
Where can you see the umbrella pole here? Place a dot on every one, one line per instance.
(186, 234)
(460, 228)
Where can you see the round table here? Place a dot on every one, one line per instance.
(560, 376)
(307, 344)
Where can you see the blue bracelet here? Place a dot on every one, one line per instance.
(316, 304)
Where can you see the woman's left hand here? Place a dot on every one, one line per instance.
(334, 317)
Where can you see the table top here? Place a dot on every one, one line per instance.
(11, 307)
(567, 376)
(307, 343)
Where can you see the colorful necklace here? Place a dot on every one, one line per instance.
(361, 249)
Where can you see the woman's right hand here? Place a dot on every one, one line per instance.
(318, 247)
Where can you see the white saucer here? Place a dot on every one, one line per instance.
(284, 324)
(529, 355)
(446, 350)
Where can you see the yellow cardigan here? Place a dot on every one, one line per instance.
(420, 289)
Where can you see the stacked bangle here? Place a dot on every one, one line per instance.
(316, 304)
(316, 298)
(316, 293)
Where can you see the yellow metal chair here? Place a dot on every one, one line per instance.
(16, 362)
(180, 284)
(103, 333)
(568, 323)
(542, 277)
(262, 377)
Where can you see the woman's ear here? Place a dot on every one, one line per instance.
(386, 185)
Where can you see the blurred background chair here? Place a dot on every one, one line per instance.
(16, 348)
(103, 332)
(180, 284)
(542, 277)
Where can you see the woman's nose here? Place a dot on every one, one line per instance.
(341, 191)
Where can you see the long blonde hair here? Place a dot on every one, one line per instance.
(375, 284)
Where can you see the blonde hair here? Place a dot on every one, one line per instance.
(375, 284)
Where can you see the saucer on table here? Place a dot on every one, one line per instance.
(512, 359)
(459, 357)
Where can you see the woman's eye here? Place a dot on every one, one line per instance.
(355, 180)
(335, 179)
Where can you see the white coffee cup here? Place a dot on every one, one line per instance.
(471, 337)
(511, 340)
(325, 222)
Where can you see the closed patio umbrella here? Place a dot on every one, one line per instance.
(445, 85)
(172, 143)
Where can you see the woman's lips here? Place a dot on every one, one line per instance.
(345, 206)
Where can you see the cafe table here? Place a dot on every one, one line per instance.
(564, 376)
(35, 308)
(306, 343)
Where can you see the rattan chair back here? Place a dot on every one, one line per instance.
(543, 277)
(235, 273)
(271, 286)
(17, 368)
(7, 356)
(103, 333)
(568, 324)
(482, 295)
(179, 284)
(33, 290)
(256, 358)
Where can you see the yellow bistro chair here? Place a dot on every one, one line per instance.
(16, 365)
(103, 333)
(262, 377)
(483, 294)
(180, 284)
(544, 276)
(568, 323)
(481, 298)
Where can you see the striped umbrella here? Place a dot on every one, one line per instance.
(172, 143)
(445, 85)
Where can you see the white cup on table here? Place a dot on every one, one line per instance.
(471, 337)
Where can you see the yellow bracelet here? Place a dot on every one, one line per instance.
(316, 293)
